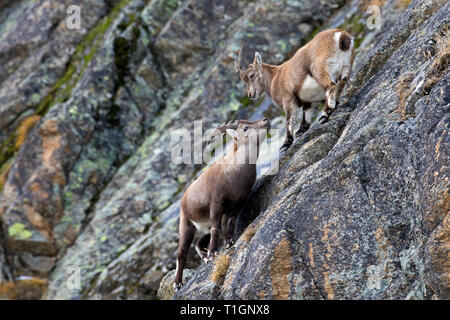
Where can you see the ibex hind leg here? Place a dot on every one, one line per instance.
(325, 114)
(187, 232)
(304, 125)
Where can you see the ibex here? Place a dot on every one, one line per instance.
(318, 71)
(219, 193)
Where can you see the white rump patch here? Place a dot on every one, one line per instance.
(203, 226)
(311, 91)
(337, 37)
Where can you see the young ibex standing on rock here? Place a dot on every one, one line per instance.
(318, 71)
(220, 192)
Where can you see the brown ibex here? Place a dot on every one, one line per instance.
(318, 71)
(220, 192)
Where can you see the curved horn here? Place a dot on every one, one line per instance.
(239, 63)
(233, 124)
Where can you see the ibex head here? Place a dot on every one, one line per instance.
(252, 75)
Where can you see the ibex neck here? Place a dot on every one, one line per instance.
(242, 156)
(269, 72)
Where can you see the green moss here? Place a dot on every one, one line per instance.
(18, 232)
(283, 45)
(82, 56)
(245, 101)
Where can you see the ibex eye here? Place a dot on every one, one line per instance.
(245, 128)
(252, 76)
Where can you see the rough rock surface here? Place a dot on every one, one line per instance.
(358, 209)
(360, 206)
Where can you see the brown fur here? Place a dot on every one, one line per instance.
(345, 41)
(219, 192)
(284, 83)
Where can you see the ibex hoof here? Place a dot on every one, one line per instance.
(206, 260)
(302, 130)
(285, 146)
(177, 286)
(229, 243)
(323, 119)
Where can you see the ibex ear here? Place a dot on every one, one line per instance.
(237, 67)
(258, 59)
(232, 133)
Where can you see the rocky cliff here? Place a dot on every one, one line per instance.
(358, 209)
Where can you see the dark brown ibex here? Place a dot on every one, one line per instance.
(317, 71)
(220, 192)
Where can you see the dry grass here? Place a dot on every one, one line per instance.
(25, 128)
(221, 264)
(4, 171)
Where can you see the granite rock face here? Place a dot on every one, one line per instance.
(358, 209)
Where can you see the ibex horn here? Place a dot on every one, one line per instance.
(239, 63)
(233, 124)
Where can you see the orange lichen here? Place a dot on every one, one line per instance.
(311, 256)
(328, 288)
(279, 270)
(248, 233)
(383, 244)
(403, 3)
(51, 141)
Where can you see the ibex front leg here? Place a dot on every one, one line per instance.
(202, 246)
(215, 216)
(291, 109)
(322, 76)
(304, 125)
